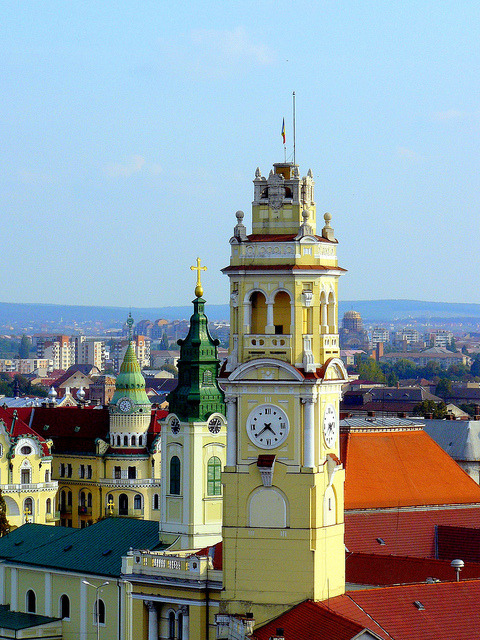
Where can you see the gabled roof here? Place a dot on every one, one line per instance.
(401, 467)
(313, 621)
(97, 549)
(20, 428)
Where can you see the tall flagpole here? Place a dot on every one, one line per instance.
(293, 127)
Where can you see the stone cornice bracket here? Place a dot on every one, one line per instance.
(266, 464)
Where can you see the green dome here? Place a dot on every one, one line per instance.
(130, 383)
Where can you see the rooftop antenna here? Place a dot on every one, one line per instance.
(458, 566)
(294, 118)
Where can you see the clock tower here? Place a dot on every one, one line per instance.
(283, 481)
(193, 439)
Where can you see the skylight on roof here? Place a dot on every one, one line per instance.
(419, 605)
(68, 547)
(381, 541)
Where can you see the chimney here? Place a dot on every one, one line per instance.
(371, 414)
(279, 635)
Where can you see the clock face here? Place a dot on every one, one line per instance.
(175, 425)
(125, 405)
(330, 426)
(267, 426)
(215, 425)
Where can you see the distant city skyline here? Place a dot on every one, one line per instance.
(131, 134)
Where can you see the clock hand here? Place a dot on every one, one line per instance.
(267, 426)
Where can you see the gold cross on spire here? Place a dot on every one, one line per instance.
(198, 288)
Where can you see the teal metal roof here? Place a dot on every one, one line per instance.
(16, 620)
(97, 549)
(29, 537)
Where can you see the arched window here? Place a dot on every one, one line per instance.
(331, 313)
(214, 474)
(156, 501)
(119, 442)
(64, 608)
(207, 378)
(63, 500)
(282, 313)
(31, 601)
(89, 500)
(47, 475)
(258, 312)
(137, 501)
(134, 441)
(28, 507)
(171, 625)
(48, 506)
(101, 612)
(83, 502)
(175, 476)
(125, 441)
(140, 441)
(180, 626)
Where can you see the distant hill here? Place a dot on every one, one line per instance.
(34, 315)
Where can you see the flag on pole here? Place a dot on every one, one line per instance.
(283, 131)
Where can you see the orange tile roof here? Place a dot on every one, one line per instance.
(389, 468)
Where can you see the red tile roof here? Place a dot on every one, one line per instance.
(450, 610)
(388, 468)
(215, 552)
(363, 568)
(310, 621)
(405, 533)
(11, 417)
(458, 542)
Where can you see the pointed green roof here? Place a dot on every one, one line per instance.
(130, 383)
(197, 394)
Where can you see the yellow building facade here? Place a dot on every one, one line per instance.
(283, 481)
(27, 486)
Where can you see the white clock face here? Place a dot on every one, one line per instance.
(215, 425)
(267, 426)
(125, 405)
(330, 426)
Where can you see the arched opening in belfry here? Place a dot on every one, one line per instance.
(331, 313)
(282, 313)
(259, 312)
(323, 312)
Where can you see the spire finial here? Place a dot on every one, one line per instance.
(130, 323)
(198, 288)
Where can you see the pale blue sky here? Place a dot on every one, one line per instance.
(130, 133)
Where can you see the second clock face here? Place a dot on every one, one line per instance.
(267, 426)
(330, 426)
(125, 405)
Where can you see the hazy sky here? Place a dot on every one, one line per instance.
(130, 134)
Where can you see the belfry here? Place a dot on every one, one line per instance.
(283, 482)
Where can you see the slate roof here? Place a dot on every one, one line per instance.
(392, 468)
(16, 620)
(405, 532)
(97, 549)
(459, 438)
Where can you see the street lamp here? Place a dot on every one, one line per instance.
(97, 609)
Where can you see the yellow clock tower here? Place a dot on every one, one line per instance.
(283, 481)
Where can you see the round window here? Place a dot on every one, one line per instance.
(25, 450)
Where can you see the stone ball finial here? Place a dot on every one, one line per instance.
(240, 215)
(327, 217)
(52, 394)
(305, 215)
(81, 393)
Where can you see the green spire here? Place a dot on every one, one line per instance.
(197, 394)
(130, 383)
